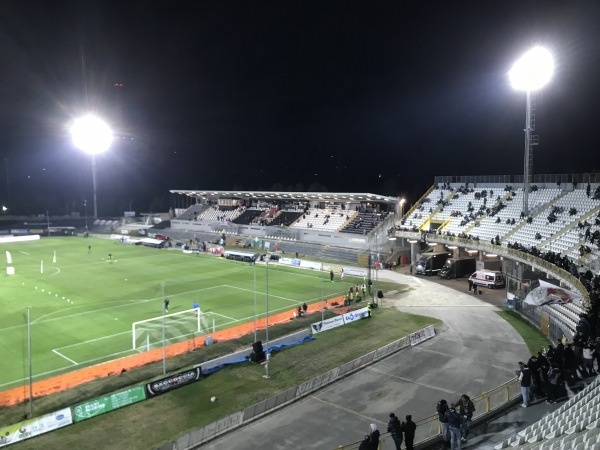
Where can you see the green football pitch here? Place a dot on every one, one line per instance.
(82, 305)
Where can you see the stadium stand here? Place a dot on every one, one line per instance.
(218, 213)
(327, 219)
(561, 228)
(364, 222)
(193, 212)
(575, 425)
(286, 218)
(247, 216)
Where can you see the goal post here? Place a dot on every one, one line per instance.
(178, 325)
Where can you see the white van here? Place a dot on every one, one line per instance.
(488, 278)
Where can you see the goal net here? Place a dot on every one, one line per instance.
(147, 334)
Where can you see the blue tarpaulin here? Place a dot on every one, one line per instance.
(271, 349)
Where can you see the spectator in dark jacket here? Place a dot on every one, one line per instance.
(442, 408)
(455, 424)
(409, 432)
(371, 441)
(465, 408)
(552, 387)
(536, 384)
(395, 428)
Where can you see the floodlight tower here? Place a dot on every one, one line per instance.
(93, 136)
(530, 73)
(402, 202)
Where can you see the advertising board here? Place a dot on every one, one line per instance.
(328, 324)
(355, 272)
(422, 335)
(34, 427)
(108, 403)
(353, 316)
(174, 381)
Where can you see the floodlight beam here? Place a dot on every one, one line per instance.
(533, 70)
(92, 135)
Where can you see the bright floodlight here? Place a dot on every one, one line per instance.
(91, 135)
(533, 70)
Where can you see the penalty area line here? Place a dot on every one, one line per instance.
(63, 356)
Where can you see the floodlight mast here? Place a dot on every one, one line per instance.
(93, 136)
(531, 72)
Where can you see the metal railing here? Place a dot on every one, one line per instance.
(429, 429)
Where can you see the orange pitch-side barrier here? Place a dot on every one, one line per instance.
(69, 380)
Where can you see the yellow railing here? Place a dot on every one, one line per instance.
(418, 202)
(429, 429)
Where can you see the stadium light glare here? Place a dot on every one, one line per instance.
(533, 70)
(93, 136)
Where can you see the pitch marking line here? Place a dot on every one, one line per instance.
(222, 315)
(94, 340)
(262, 293)
(63, 356)
(122, 305)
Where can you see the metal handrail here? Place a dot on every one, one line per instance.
(429, 428)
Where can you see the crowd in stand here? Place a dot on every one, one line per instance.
(544, 375)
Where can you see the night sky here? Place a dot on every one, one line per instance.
(343, 96)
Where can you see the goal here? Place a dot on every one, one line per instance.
(147, 334)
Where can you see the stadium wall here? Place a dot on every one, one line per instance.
(198, 229)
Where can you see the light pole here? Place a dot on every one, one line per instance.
(402, 202)
(266, 375)
(376, 265)
(93, 136)
(322, 296)
(254, 301)
(85, 207)
(530, 73)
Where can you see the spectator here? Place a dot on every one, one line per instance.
(525, 379)
(554, 376)
(371, 441)
(395, 428)
(409, 432)
(588, 360)
(466, 408)
(536, 381)
(442, 409)
(570, 364)
(455, 424)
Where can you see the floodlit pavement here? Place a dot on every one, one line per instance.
(474, 351)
